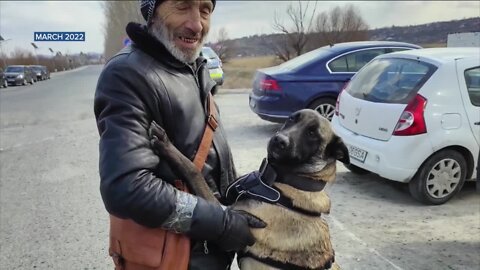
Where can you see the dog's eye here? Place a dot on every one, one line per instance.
(312, 132)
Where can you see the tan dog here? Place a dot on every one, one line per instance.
(302, 156)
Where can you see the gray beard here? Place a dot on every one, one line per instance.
(161, 33)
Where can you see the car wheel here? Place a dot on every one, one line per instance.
(356, 170)
(439, 178)
(214, 90)
(25, 82)
(325, 107)
(32, 81)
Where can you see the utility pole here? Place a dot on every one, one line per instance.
(2, 40)
(35, 47)
(53, 59)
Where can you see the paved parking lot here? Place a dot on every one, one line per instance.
(52, 217)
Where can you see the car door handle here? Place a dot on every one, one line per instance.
(477, 123)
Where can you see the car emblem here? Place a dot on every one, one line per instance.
(357, 111)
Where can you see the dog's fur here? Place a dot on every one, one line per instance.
(304, 147)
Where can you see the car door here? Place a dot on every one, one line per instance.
(468, 71)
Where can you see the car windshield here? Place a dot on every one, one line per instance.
(390, 80)
(305, 58)
(209, 53)
(14, 69)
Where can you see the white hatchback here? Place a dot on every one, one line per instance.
(414, 116)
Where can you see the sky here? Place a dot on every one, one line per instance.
(20, 19)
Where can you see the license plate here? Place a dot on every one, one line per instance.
(357, 153)
(10, 80)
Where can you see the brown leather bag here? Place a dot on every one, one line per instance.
(135, 247)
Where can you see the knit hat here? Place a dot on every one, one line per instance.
(147, 7)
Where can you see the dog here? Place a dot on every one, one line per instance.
(290, 197)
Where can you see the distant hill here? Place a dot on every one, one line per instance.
(430, 33)
(427, 35)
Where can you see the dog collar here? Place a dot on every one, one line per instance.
(269, 176)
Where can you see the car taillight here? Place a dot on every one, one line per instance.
(337, 104)
(412, 120)
(269, 85)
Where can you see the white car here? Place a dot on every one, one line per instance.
(414, 117)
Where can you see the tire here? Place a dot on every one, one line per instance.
(32, 81)
(214, 90)
(324, 106)
(356, 170)
(439, 178)
(25, 82)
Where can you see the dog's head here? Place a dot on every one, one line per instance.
(306, 138)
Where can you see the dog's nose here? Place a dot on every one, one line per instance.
(280, 141)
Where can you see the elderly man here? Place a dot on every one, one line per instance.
(161, 78)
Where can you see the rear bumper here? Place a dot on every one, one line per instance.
(397, 159)
(217, 75)
(269, 107)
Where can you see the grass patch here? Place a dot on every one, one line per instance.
(239, 72)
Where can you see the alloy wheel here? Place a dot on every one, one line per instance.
(326, 110)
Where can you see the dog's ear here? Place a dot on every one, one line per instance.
(338, 150)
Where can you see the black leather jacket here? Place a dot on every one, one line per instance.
(144, 82)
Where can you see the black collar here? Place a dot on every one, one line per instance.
(270, 176)
(142, 39)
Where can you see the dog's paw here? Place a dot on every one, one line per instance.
(158, 137)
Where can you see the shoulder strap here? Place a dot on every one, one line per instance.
(207, 138)
(205, 143)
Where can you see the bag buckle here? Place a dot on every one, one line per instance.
(212, 122)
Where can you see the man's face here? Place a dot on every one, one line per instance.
(182, 27)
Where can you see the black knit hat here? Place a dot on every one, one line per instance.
(147, 7)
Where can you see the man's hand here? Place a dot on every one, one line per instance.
(237, 235)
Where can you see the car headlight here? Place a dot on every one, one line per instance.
(20, 76)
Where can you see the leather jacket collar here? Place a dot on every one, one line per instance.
(139, 35)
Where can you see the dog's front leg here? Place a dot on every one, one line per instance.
(180, 164)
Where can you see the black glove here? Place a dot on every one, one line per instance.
(226, 227)
(236, 235)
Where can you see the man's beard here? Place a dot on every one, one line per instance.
(160, 31)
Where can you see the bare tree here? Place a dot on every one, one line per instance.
(295, 36)
(117, 15)
(224, 46)
(340, 25)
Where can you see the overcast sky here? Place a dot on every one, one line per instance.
(19, 19)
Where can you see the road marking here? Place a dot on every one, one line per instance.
(354, 237)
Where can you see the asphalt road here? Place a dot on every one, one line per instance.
(52, 216)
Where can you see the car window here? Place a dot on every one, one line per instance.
(353, 62)
(208, 52)
(306, 58)
(472, 79)
(14, 69)
(390, 80)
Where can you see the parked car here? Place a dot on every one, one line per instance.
(414, 117)
(3, 79)
(46, 72)
(40, 72)
(214, 65)
(19, 75)
(313, 80)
